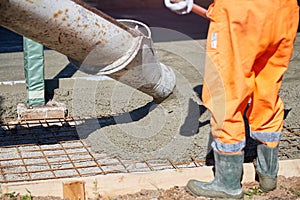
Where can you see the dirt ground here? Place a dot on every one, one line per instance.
(287, 189)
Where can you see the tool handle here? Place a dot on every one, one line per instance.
(195, 9)
(199, 10)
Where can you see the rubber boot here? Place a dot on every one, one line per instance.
(226, 184)
(267, 167)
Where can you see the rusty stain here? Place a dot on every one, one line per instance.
(55, 15)
(78, 18)
(30, 1)
(64, 19)
(66, 10)
(68, 25)
(85, 26)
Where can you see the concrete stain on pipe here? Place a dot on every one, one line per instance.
(86, 36)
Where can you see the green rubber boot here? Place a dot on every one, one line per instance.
(267, 167)
(226, 184)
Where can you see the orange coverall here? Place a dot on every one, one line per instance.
(249, 45)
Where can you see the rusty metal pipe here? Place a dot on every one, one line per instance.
(97, 43)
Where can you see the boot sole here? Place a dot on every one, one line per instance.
(215, 198)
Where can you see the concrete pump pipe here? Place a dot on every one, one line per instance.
(95, 42)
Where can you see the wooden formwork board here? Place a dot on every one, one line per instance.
(127, 183)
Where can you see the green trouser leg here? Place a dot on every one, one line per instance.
(34, 72)
(227, 181)
(267, 167)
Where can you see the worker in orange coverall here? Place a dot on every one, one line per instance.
(249, 47)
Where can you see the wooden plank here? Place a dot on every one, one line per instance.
(74, 190)
(111, 185)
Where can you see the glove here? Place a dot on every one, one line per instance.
(181, 7)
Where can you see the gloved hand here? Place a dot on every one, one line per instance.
(179, 7)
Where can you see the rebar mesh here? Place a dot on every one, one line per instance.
(51, 149)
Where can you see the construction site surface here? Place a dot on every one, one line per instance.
(116, 140)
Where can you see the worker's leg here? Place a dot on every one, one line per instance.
(34, 72)
(240, 32)
(266, 111)
(226, 91)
